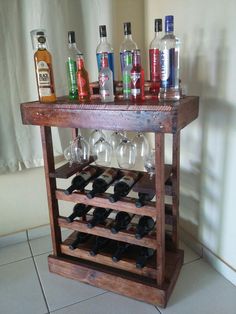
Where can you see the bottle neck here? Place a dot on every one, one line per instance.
(103, 39)
(128, 37)
(104, 62)
(72, 46)
(136, 59)
(80, 62)
(41, 46)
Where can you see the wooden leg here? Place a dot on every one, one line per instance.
(49, 167)
(160, 206)
(175, 186)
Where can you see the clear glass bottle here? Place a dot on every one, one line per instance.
(104, 46)
(43, 70)
(169, 62)
(137, 77)
(82, 80)
(71, 68)
(128, 45)
(105, 79)
(154, 57)
(126, 76)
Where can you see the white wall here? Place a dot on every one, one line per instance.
(208, 146)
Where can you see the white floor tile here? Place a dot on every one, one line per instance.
(189, 254)
(109, 303)
(60, 291)
(13, 253)
(20, 292)
(200, 289)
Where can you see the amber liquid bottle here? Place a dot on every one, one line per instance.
(44, 73)
(82, 80)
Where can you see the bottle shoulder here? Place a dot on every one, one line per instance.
(104, 47)
(128, 45)
(155, 43)
(43, 55)
(169, 41)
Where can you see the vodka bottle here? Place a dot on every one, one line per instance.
(137, 77)
(104, 46)
(169, 61)
(126, 75)
(82, 80)
(105, 79)
(154, 58)
(128, 45)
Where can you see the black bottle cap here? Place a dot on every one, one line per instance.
(127, 28)
(158, 25)
(71, 37)
(40, 33)
(102, 31)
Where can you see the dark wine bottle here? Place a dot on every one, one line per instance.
(80, 238)
(81, 180)
(79, 210)
(123, 186)
(121, 222)
(143, 198)
(120, 250)
(144, 255)
(145, 225)
(99, 215)
(100, 243)
(102, 183)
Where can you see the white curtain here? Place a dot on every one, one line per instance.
(20, 145)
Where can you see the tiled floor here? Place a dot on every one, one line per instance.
(27, 287)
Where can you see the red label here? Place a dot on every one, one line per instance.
(154, 59)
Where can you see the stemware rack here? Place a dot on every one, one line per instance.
(155, 282)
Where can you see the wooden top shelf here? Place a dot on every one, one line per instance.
(147, 116)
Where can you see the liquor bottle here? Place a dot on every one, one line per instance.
(82, 80)
(123, 186)
(169, 62)
(126, 75)
(120, 250)
(99, 215)
(100, 243)
(121, 222)
(104, 46)
(80, 238)
(44, 72)
(101, 183)
(127, 46)
(137, 77)
(79, 210)
(105, 79)
(154, 58)
(145, 225)
(143, 198)
(81, 180)
(71, 67)
(144, 255)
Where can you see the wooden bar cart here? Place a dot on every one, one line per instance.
(155, 282)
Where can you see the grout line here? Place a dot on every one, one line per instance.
(64, 307)
(23, 259)
(36, 269)
(190, 262)
(157, 309)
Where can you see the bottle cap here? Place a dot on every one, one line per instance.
(158, 25)
(169, 23)
(71, 37)
(40, 33)
(41, 37)
(127, 28)
(102, 31)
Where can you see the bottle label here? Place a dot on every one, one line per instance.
(108, 175)
(126, 83)
(44, 79)
(154, 59)
(110, 61)
(71, 73)
(86, 174)
(129, 180)
(168, 68)
(104, 82)
(123, 55)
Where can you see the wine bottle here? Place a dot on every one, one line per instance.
(43, 70)
(154, 58)
(121, 222)
(101, 183)
(80, 238)
(99, 215)
(82, 80)
(100, 243)
(123, 186)
(79, 210)
(105, 79)
(120, 250)
(144, 255)
(145, 225)
(81, 180)
(128, 45)
(143, 198)
(137, 77)
(104, 46)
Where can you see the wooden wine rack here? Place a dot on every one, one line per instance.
(155, 282)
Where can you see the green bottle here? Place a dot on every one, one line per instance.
(126, 76)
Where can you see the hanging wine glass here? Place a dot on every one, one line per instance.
(68, 154)
(116, 138)
(94, 137)
(102, 152)
(80, 150)
(141, 144)
(126, 154)
(149, 162)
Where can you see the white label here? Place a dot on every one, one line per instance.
(165, 65)
(45, 91)
(108, 176)
(128, 180)
(44, 80)
(135, 77)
